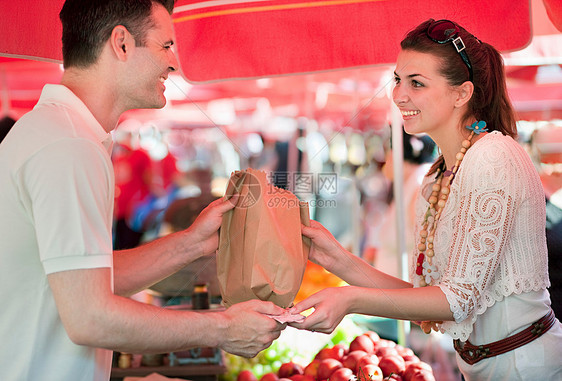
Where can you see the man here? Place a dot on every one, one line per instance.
(63, 292)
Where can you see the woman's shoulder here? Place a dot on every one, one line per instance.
(495, 138)
(499, 160)
(496, 148)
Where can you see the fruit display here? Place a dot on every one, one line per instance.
(293, 345)
(367, 358)
(316, 278)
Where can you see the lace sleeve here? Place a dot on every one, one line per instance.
(478, 224)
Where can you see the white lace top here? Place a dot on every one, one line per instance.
(490, 240)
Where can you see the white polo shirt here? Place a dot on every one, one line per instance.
(56, 205)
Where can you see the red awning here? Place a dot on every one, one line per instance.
(244, 39)
(219, 40)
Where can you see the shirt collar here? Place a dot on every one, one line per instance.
(62, 95)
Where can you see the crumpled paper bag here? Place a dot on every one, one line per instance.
(262, 253)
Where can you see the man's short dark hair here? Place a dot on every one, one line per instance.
(87, 25)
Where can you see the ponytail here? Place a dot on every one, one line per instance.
(490, 101)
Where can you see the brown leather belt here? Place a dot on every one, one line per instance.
(471, 354)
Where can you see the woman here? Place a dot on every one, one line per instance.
(479, 272)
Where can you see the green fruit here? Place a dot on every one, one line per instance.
(270, 354)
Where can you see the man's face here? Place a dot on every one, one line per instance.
(151, 63)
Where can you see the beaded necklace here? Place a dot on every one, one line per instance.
(440, 190)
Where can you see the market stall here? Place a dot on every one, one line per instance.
(245, 95)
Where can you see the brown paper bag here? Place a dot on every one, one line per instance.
(262, 253)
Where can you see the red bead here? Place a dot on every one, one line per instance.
(419, 267)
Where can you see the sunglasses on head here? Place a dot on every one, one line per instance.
(444, 31)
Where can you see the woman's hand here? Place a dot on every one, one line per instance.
(325, 251)
(330, 307)
(427, 326)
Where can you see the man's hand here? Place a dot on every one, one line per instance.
(205, 227)
(139, 268)
(248, 330)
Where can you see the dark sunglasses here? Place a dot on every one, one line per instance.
(444, 31)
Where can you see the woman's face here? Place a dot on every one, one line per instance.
(424, 97)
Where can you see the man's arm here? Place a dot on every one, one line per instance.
(138, 268)
(92, 315)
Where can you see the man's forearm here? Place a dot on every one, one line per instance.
(93, 316)
(138, 268)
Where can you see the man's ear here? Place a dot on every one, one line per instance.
(464, 93)
(120, 41)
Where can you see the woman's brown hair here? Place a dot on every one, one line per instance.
(490, 101)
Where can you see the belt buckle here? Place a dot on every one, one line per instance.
(481, 352)
(469, 353)
(537, 329)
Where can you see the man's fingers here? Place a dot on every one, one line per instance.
(266, 308)
(232, 200)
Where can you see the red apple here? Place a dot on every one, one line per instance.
(367, 360)
(382, 343)
(246, 375)
(327, 367)
(289, 369)
(369, 372)
(362, 343)
(423, 375)
(342, 374)
(387, 343)
(392, 364)
(323, 354)
(300, 377)
(413, 368)
(350, 360)
(269, 377)
(340, 349)
(373, 336)
(336, 352)
(394, 377)
(411, 359)
(312, 369)
(386, 351)
(404, 351)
